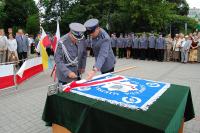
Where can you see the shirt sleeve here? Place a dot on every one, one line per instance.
(103, 53)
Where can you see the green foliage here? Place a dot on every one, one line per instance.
(121, 15)
(179, 22)
(32, 24)
(17, 12)
(2, 13)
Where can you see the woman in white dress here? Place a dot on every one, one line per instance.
(12, 48)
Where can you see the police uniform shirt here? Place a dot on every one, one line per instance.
(113, 42)
(152, 41)
(143, 42)
(125, 42)
(135, 44)
(104, 57)
(120, 42)
(77, 58)
(160, 43)
(129, 42)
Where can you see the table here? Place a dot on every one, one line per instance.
(80, 114)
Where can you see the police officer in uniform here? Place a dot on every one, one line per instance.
(120, 45)
(70, 56)
(143, 46)
(151, 47)
(113, 43)
(101, 45)
(160, 46)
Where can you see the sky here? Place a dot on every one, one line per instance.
(192, 3)
(36, 1)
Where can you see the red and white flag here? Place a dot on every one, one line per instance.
(54, 47)
(6, 76)
(56, 37)
(29, 68)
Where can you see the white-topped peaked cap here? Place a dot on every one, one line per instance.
(77, 30)
(91, 24)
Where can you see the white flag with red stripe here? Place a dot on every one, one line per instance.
(54, 46)
(56, 37)
(29, 68)
(6, 76)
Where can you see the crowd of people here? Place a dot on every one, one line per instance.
(15, 48)
(181, 48)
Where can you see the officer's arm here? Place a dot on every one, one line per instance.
(103, 53)
(60, 62)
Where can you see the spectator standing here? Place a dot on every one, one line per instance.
(22, 46)
(176, 48)
(3, 46)
(168, 47)
(185, 47)
(193, 51)
(12, 48)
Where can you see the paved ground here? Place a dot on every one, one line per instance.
(21, 109)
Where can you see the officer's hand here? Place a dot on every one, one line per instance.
(72, 75)
(90, 75)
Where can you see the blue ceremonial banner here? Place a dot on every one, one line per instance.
(129, 92)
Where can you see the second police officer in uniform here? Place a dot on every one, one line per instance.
(70, 56)
(101, 45)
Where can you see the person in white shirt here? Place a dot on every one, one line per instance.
(3, 46)
(177, 45)
(12, 48)
(185, 47)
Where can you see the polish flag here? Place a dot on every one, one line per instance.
(54, 47)
(29, 68)
(6, 76)
(56, 37)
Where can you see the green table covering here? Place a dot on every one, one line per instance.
(84, 115)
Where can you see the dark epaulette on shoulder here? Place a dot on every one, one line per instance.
(103, 36)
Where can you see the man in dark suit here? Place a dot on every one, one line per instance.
(22, 46)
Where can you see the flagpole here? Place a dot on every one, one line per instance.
(123, 69)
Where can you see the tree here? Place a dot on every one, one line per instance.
(2, 13)
(181, 7)
(121, 15)
(32, 24)
(18, 11)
